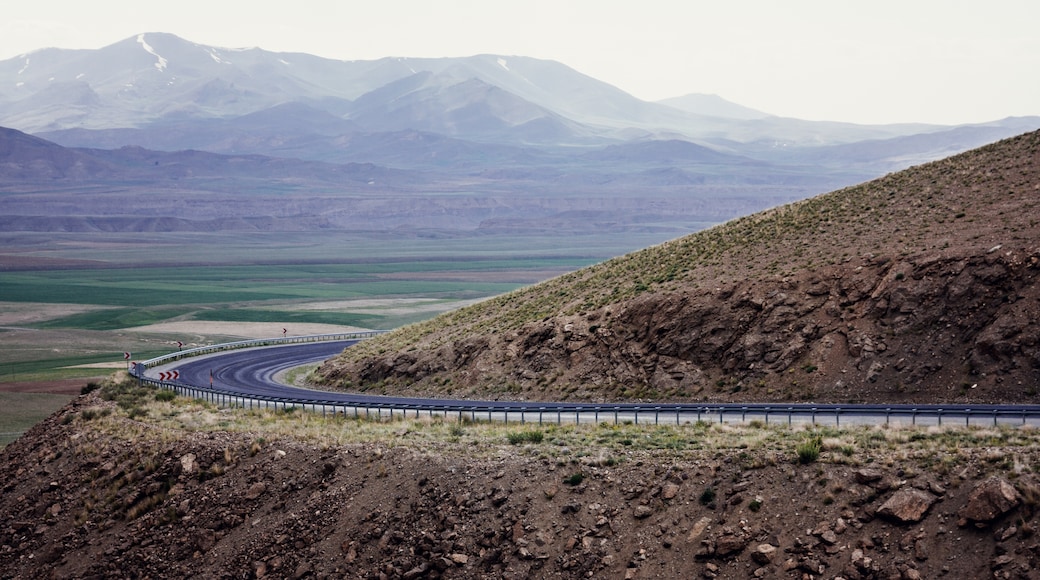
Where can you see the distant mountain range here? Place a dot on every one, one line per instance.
(159, 91)
(157, 111)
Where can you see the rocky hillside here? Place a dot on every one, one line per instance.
(919, 286)
(176, 489)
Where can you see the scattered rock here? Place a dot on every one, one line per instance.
(907, 505)
(256, 490)
(867, 476)
(1001, 561)
(669, 491)
(698, 529)
(1007, 533)
(642, 511)
(764, 554)
(990, 499)
(729, 544)
(188, 465)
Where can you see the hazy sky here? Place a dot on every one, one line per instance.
(939, 61)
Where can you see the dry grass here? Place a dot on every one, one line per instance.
(939, 449)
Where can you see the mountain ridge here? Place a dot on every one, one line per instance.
(173, 76)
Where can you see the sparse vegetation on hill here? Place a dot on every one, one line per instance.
(125, 482)
(919, 286)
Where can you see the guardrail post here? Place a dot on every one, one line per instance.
(837, 417)
(939, 413)
(814, 416)
(636, 410)
(743, 414)
(790, 415)
(677, 415)
(888, 411)
(559, 418)
(657, 415)
(615, 415)
(913, 416)
(967, 417)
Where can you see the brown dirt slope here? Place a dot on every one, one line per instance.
(117, 497)
(920, 286)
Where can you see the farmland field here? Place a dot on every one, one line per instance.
(71, 304)
(69, 300)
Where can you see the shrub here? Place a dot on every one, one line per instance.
(575, 479)
(707, 496)
(809, 451)
(518, 437)
(165, 396)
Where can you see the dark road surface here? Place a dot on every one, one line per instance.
(252, 373)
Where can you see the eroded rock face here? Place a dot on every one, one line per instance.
(990, 499)
(907, 505)
(906, 340)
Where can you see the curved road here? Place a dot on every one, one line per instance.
(252, 372)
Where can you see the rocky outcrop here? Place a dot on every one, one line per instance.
(907, 506)
(908, 331)
(132, 500)
(989, 500)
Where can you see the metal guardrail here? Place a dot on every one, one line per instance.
(214, 348)
(558, 413)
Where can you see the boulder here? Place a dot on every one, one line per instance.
(669, 491)
(728, 544)
(907, 505)
(256, 490)
(990, 499)
(764, 554)
(188, 465)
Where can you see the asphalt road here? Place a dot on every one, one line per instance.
(251, 373)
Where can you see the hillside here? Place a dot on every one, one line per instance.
(919, 286)
(178, 489)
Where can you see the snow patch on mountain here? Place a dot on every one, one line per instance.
(216, 58)
(502, 63)
(161, 62)
(24, 66)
